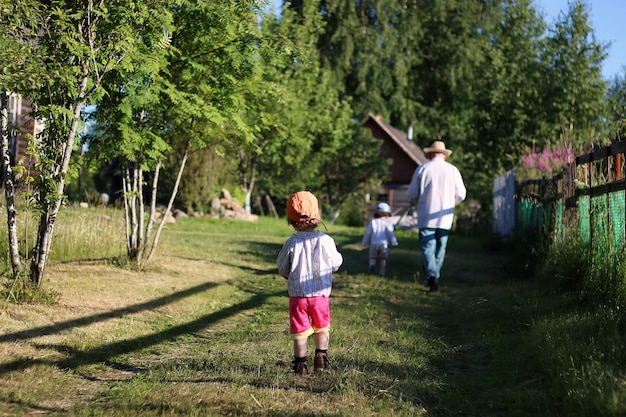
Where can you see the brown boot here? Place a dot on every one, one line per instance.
(299, 366)
(321, 362)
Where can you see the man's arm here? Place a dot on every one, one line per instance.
(460, 191)
(414, 188)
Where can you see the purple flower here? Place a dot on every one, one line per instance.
(542, 166)
(528, 161)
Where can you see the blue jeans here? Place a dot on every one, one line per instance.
(433, 243)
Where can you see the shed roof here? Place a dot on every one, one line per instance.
(409, 147)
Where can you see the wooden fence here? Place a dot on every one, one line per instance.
(589, 193)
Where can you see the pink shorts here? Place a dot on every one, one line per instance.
(304, 311)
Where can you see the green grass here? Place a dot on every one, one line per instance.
(204, 332)
(94, 234)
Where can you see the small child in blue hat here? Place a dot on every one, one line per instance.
(379, 235)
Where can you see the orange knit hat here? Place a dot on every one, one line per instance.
(303, 206)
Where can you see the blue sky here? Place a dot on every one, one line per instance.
(608, 19)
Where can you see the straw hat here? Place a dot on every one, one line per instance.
(438, 147)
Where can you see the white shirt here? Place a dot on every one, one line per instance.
(379, 232)
(308, 260)
(438, 187)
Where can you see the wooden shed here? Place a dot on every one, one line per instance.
(22, 124)
(406, 156)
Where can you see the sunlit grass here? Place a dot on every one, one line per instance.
(204, 332)
(95, 233)
(583, 339)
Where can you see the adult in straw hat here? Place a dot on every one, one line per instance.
(436, 188)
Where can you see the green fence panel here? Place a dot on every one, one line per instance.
(616, 213)
(600, 224)
(525, 213)
(543, 219)
(584, 207)
(544, 207)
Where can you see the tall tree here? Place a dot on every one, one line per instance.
(414, 63)
(573, 77)
(317, 137)
(362, 46)
(194, 97)
(616, 102)
(507, 113)
(9, 185)
(481, 76)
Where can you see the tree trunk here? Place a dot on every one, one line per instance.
(7, 176)
(270, 206)
(131, 190)
(51, 210)
(157, 235)
(153, 197)
(247, 185)
(142, 215)
(333, 214)
(127, 210)
(248, 193)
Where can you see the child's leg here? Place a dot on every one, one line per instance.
(300, 347)
(381, 255)
(320, 318)
(321, 340)
(382, 267)
(300, 329)
(321, 362)
(299, 356)
(372, 258)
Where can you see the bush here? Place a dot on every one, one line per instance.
(22, 291)
(352, 215)
(596, 272)
(566, 264)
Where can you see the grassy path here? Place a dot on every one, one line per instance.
(205, 333)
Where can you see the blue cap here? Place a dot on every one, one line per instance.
(383, 208)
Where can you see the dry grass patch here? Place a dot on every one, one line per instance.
(104, 313)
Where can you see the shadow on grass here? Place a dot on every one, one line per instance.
(84, 321)
(452, 373)
(103, 353)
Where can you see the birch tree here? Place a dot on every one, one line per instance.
(75, 45)
(189, 95)
(9, 186)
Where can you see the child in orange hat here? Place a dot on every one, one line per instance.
(307, 260)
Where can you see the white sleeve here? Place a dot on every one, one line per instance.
(284, 261)
(460, 192)
(333, 258)
(368, 235)
(414, 187)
